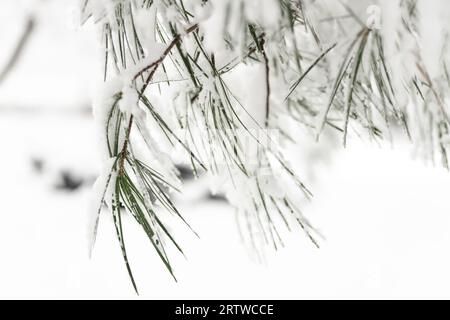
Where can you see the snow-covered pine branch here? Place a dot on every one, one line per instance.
(220, 84)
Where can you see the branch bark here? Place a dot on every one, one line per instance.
(153, 67)
(267, 74)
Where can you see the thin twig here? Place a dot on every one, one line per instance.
(125, 147)
(15, 56)
(153, 66)
(267, 71)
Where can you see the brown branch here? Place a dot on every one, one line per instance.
(153, 67)
(429, 82)
(267, 71)
(125, 147)
(156, 63)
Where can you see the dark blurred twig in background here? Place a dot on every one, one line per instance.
(18, 50)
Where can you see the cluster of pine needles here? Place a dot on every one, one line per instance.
(360, 95)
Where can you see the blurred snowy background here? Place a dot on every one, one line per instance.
(385, 216)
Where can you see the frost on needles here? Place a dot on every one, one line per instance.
(229, 85)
